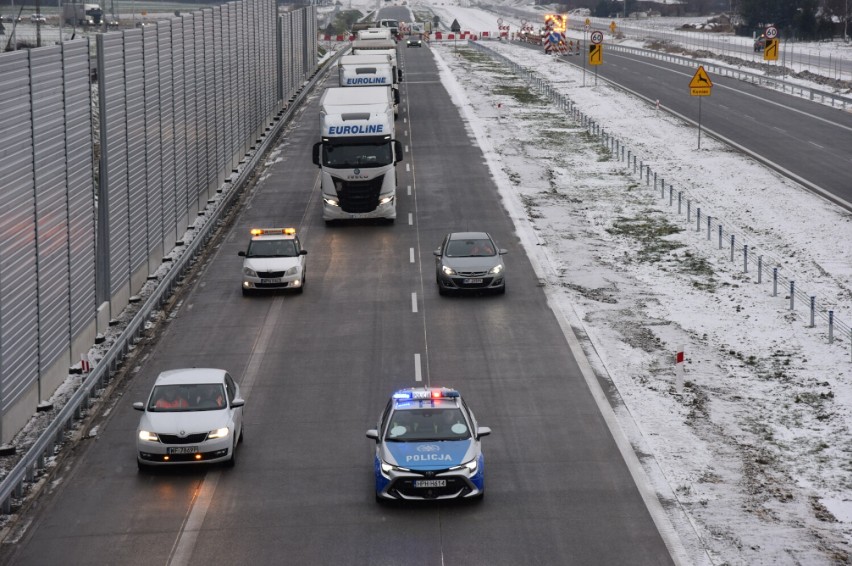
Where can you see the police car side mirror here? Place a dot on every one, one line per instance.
(373, 434)
(237, 403)
(482, 431)
(139, 406)
(241, 254)
(316, 153)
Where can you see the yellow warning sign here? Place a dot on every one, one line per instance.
(700, 84)
(595, 54)
(770, 50)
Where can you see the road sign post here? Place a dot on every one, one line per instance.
(700, 86)
(596, 52)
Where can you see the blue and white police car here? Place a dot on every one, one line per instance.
(428, 447)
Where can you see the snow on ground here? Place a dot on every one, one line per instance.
(756, 450)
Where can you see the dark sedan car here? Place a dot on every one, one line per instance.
(413, 42)
(469, 261)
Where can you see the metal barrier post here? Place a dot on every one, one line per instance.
(679, 199)
(709, 222)
(688, 215)
(662, 188)
(671, 194)
(760, 269)
(774, 281)
(745, 258)
(831, 327)
(792, 294)
(733, 238)
(697, 219)
(813, 310)
(720, 236)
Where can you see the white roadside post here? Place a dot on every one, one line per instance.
(679, 371)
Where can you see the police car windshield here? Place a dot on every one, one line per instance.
(418, 425)
(272, 248)
(351, 156)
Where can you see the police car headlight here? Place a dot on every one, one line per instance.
(448, 270)
(149, 436)
(249, 272)
(388, 468)
(469, 466)
(218, 433)
(496, 269)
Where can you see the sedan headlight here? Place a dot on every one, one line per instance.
(248, 271)
(218, 433)
(149, 436)
(496, 269)
(470, 466)
(448, 270)
(292, 271)
(388, 468)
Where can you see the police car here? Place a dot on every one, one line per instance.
(427, 447)
(274, 260)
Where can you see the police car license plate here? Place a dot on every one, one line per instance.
(430, 483)
(271, 280)
(477, 281)
(183, 450)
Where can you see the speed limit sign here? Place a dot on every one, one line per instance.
(499, 21)
(596, 37)
(771, 32)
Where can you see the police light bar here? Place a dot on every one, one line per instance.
(437, 393)
(268, 231)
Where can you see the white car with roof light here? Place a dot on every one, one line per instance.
(274, 260)
(428, 447)
(192, 416)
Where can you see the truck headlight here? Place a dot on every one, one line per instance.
(386, 199)
(330, 201)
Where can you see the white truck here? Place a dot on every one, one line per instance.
(378, 47)
(369, 70)
(358, 154)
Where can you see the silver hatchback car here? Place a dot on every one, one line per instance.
(470, 261)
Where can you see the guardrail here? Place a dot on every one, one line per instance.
(742, 250)
(27, 468)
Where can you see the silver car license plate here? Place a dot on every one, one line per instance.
(271, 280)
(183, 450)
(477, 281)
(430, 483)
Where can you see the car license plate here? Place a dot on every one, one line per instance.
(430, 483)
(472, 281)
(272, 280)
(183, 450)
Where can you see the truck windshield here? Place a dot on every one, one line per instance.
(362, 155)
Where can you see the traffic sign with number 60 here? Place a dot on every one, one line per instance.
(597, 37)
(771, 32)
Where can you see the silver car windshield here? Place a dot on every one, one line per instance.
(470, 248)
(417, 425)
(189, 397)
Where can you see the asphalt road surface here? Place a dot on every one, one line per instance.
(317, 368)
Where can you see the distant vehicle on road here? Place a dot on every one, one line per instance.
(760, 43)
(38, 19)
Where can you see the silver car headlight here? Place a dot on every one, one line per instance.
(448, 270)
(469, 466)
(388, 468)
(218, 433)
(248, 271)
(292, 271)
(496, 269)
(149, 436)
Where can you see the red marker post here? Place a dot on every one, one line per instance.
(679, 357)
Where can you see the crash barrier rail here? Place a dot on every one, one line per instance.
(743, 250)
(803, 91)
(34, 461)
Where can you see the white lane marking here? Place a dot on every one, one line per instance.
(777, 129)
(409, 190)
(406, 149)
(411, 255)
(410, 219)
(816, 145)
(185, 543)
(414, 302)
(404, 120)
(418, 373)
(407, 167)
(405, 133)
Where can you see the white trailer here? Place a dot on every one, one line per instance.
(378, 47)
(358, 154)
(369, 70)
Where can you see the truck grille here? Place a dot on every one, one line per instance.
(359, 196)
